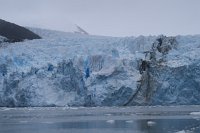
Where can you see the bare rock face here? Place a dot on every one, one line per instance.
(164, 44)
(149, 84)
(15, 33)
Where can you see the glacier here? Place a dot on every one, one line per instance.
(72, 69)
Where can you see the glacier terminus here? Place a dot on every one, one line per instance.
(78, 69)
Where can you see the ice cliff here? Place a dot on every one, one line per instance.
(68, 69)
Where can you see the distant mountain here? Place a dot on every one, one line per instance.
(15, 33)
(80, 30)
(56, 24)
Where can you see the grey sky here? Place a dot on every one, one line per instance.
(108, 17)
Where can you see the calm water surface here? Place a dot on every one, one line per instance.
(179, 119)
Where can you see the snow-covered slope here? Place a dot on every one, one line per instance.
(67, 69)
(2, 39)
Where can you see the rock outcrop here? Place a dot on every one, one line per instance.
(15, 33)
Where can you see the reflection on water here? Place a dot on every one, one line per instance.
(170, 125)
(97, 120)
(137, 126)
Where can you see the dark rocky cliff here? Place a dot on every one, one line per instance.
(15, 33)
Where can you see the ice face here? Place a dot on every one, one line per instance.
(68, 69)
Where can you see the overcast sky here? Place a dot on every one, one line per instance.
(108, 17)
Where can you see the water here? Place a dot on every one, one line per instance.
(179, 119)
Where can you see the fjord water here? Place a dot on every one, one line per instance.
(172, 119)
